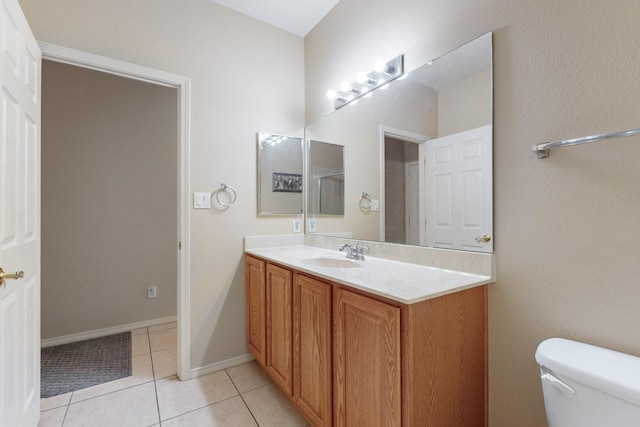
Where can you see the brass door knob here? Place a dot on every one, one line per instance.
(486, 238)
(15, 275)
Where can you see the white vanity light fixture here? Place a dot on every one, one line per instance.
(381, 75)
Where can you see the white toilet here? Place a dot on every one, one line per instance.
(588, 386)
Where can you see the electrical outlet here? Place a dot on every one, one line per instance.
(296, 224)
(151, 291)
(312, 225)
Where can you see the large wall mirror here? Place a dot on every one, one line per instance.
(421, 149)
(280, 178)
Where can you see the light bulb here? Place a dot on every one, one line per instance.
(380, 65)
(345, 86)
(331, 94)
(361, 77)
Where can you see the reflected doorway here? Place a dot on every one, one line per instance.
(402, 172)
(401, 189)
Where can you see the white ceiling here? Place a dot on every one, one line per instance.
(295, 16)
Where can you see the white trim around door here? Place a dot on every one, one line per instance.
(78, 58)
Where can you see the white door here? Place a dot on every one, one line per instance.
(459, 186)
(412, 205)
(20, 62)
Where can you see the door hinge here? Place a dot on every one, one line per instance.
(179, 246)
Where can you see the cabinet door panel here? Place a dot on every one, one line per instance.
(279, 326)
(366, 361)
(255, 300)
(312, 349)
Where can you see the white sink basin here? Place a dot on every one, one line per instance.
(330, 262)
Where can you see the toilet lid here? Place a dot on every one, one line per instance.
(606, 370)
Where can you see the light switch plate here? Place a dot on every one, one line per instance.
(201, 200)
(375, 205)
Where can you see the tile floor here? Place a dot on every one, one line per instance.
(242, 396)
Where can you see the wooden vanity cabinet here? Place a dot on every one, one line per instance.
(444, 360)
(367, 361)
(279, 340)
(348, 358)
(289, 333)
(312, 355)
(415, 365)
(255, 307)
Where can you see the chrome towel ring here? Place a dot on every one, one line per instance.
(224, 188)
(365, 202)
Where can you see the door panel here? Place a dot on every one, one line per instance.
(312, 349)
(280, 327)
(412, 204)
(458, 190)
(255, 309)
(20, 65)
(366, 361)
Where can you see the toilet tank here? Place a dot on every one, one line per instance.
(588, 386)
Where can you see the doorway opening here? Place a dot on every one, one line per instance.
(176, 204)
(401, 203)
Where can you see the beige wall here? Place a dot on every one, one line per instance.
(464, 105)
(109, 191)
(566, 233)
(233, 96)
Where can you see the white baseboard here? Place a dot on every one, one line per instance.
(219, 366)
(66, 339)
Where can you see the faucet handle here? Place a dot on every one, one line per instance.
(361, 248)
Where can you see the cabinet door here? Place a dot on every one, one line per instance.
(366, 361)
(312, 349)
(279, 327)
(255, 300)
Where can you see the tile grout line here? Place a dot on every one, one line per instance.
(199, 408)
(66, 410)
(155, 385)
(242, 398)
(219, 401)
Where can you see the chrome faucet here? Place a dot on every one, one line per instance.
(354, 252)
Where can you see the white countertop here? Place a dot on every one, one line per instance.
(403, 282)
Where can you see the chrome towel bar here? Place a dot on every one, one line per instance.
(542, 150)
